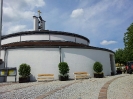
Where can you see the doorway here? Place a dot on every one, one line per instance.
(112, 64)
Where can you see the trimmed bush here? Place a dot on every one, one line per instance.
(98, 68)
(119, 70)
(63, 68)
(24, 70)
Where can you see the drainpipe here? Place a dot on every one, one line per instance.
(75, 39)
(60, 52)
(5, 63)
(5, 58)
(1, 12)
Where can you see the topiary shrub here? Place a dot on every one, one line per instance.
(24, 70)
(98, 68)
(63, 70)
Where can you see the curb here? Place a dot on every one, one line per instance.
(103, 91)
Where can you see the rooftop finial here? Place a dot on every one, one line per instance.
(39, 12)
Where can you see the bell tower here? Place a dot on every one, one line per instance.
(39, 23)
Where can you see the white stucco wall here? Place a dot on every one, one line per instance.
(2, 54)
(81, 60)
(43, 37)
(34, 37)
(62, 37)
(80, 40)
(41, 60)
(46, 60)
(10, 40)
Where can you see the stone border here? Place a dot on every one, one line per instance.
(104, 89)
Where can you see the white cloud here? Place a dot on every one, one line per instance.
(14, 10)
(15, 15)
(115, 49)
(105, 42)
(17, 12)
(16, 28)
(35, 3)
(77, 13)
(98, 16)
(24, 4)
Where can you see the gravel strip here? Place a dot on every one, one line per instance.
(121, 88)
(30, 92)
(14, 86)
(84, 89)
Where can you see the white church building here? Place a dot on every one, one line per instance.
(43, 50)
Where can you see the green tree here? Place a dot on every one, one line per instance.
(128, 42)
(120, 56)
(124, 58)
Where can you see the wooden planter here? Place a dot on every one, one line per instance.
(63, 78)
(98, 75)
(119, 72)
(24, 80)
(112, 73)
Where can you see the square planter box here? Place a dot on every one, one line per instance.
(24, 80)
(63, 78)
(98, 75)
(119, 72)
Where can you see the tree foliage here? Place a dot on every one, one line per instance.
(97, 67)
(128, 42)
(63, 68)
(120, 56)
(24, 70)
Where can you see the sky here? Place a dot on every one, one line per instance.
(103, 22)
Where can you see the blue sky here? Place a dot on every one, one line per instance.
(104, 22)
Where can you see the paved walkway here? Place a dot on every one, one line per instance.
(110, 87)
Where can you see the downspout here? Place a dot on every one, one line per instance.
(5, 58)
(49, 37)
(20, 38)
(1, 12)
(60, 52)
(5, 63)
(75, 38)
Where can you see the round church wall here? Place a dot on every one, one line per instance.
(44, 50)
(46, 60)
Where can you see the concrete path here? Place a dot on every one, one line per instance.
(110, 87)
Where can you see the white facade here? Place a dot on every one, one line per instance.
(34, 37)
(10, 40)
(46, 60)
(82, 41)
(51, 37)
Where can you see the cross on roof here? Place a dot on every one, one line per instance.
(39, 12)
